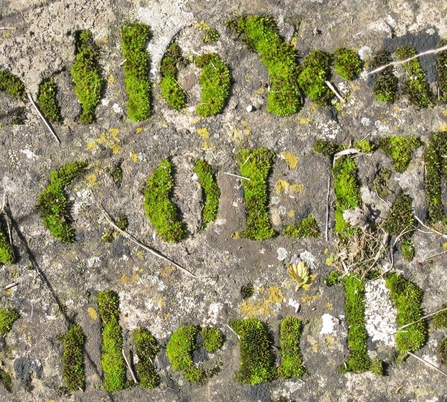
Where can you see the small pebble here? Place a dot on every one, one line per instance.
(250, 108)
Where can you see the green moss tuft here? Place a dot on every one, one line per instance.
(377, 367)
(48, 102)
(6, 250)
(365, 146)
(407, 298)
(211, 192)
(313, 77)
(211, 35)
(326, 148)
(289, 341)
(385, 86)
(347, 63)
(308, 227)
(380, 183)
(440, 319)
(53, 202)
(441, 66)
(215, 81)
(6, 380)
(212, 338)
(255, 165)
(279, 57)
(256, 356)
(416, 84)
(73, 370)
(170, 88)
(12, 85)
(441, 351)
(147, 348)
(179, 350)
(160, 210)
(7, 319)
(86, 74)
(247, 291)
(333, 278)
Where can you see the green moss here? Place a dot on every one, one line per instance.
(377, 367)
(380, 183)
(333, 278)
(247, 291)
(400, 222)
(110, 234)
(365, 146)
(289, 341)
(308, 227)
(359, 360)
(255, 165)
(73, 370)
(215, 80)
(53, 201)
(440, 319)
(135, 36)
(86, 73)
(441, 66)
(441, 351)
(279, 57)
(6, 250)
(211, 192)
(313, 77)
(7, 319)
(116, 172)
(160, 210)
(6, 380)
(47, 100)
(147, 348)
(212, 338)
(19, 117)
(256, 356)
(170, 88)
(179, 350)
(12, 85)
(112, 361)
(211, 35)
(347, 63)
(407, 299)
(326, 148)
(416, 84)
(385, 86)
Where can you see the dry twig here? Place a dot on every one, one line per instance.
(236, 175)
(43, 119)
(422, 318)
(332, 88)
(129, 367)
(428, 364)
(326, 236)
(429, 228)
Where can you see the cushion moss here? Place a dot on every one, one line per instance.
(441, 66)
(385, 86)
(12, 85)
(441, 350)
(440, 319)
(147, 348)
(347, 63)
(211, 192)
(170, 88)
(73, 370)
(289, 341)
(7, 319)
(6, 250)
(47, 100)
(6, 380)
(308, 227)
(212, 338)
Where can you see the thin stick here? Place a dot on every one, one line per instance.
(234, 332)
(326, 235)
(396, 63)
(428, 364)
(43, 119)
(332, 88)
(433, 256)
(422, 318)
(7, 28)
(429, 228)
(7, 223)
(236, 175)
(11, 285)
(379, 253)
(128, 366)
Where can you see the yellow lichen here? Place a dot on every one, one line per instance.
(138, 130)
(204, 133)
(253, 308)
(134, 157)
(282, 186)
(92, 313)
(290, 158)
(309, 298)
(111, 79)
(305, 120)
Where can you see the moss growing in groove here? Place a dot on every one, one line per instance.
(211, 192)
(279, 58)
(380, 183)
(7, 319)
(147, 348)
(211, 35)
(308, 227)
(333, 278)
(48, 102)
(135, 36)
(160, 210)
(326, 148)
(347, 63)
(6, 380)
(255, 166)
(377, 367)
(440, 319)
(86, 74)
(289, 341)
(400, 150)
(416, 84)
(247, 291)
(313, 77)
(6, 250)
(212, 338)
(73, 370)
(170, 88)
(407, 298)
(12, 85)
(385, 86)
(215, 80)
(441, 350)
(53, 202)
(179, 350)
(441, 66)
(256, 355)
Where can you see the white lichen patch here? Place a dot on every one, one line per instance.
(330, 324)
(281, 253)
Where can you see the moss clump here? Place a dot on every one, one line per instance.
(385, 86)
(365, 146)
(48, 102)
(359, 360)
(326, 148)
(6, 380)
(308, 227)
(73, 359)
(7, 319)
(160, 210)
(12, 85)
(53, 202)
(86, 74)
(441, 351)
(440, 319)
(6, 250)
(313, 77)
(112, 361)
(147, 348)
(116, 171)
(215, 81)
(333, 278)
(407, 298)
(400, 222)
(256, 356)
(170, 88)
(212, 338)
(347, 63)
(279, 57)
(211, 35)
(416, 84)
(290, 332)
(441, 66)
(377, 367)
(211, 192)
(247, 291)
(255, 165)
(381, 182)
(179, 350)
